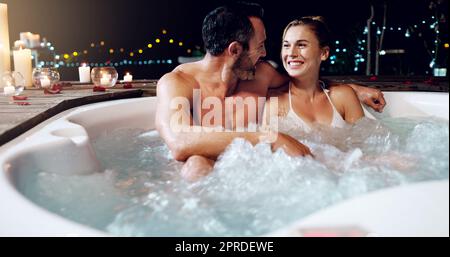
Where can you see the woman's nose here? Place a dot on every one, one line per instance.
(292, 51)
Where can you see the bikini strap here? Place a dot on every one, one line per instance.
(290, 101)
(335, 111)
(325, 90)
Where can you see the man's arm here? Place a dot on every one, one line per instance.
(277, 79)
(175, 125)
(266, 78)
(371, 97)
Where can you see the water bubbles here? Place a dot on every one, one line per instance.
(251, 191)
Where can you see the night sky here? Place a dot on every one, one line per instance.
(73, 25)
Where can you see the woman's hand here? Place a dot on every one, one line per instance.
(290, 146)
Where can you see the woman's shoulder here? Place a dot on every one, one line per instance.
(341, 89)
(341, 92)
(344, 98)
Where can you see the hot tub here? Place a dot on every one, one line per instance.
(62, 145)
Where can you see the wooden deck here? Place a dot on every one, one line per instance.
(16, 119)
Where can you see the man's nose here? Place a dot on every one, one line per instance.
(264, 52)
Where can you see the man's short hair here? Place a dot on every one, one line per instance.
(229, 23)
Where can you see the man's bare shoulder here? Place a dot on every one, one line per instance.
(264, 69)
(181, 78)
(266, 73)
(186, 72)
(174, 84)
(279, 92)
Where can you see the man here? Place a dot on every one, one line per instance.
(234, 40)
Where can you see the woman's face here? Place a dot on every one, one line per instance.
(301, 52)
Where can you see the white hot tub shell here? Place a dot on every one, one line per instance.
(388, 212)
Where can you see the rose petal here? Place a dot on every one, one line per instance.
(22, 103)
(19, 97)
(51, 92)
(99, 89)
(56, 87)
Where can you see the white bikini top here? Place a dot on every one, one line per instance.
(336, 122)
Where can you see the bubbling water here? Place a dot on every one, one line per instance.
(251, 191)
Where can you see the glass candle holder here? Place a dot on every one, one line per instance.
(11, 83)
(104, 76)
(45, 77)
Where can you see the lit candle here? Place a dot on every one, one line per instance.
(22, 64)
(5, 58)
(45, 82)
(19, 44)
(128, 77)
(85, 73)
(9, 90)
(105, 80)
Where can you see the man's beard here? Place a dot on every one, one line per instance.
(244, 68)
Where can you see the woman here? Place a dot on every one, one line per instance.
(306, 44)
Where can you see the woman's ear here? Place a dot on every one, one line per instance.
(235, 49)
(325, 53)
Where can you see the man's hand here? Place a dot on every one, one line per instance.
(371, 97)
(290, 145)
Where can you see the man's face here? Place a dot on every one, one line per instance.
(245, 66)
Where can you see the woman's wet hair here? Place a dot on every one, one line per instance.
(229, 23)
(317, 25)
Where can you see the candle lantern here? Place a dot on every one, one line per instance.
(45, 77)
(11, 83)
(104, 76)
